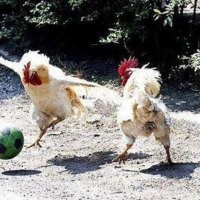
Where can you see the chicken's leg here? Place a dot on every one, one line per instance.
(162, 135)
(53, 123)
(122, 156)
(44, 130)
(37, 141)
(169, 161)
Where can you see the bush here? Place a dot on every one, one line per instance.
(193, 63)
(156, 31)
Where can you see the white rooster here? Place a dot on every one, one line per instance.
(51, 91)
(140, 113)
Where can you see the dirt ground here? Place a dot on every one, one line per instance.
(75, 161)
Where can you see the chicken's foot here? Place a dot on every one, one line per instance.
(43, 131)
(122, 156)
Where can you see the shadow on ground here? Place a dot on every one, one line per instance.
(176, 171)
(82, 164)
(140, 155)
(21, 172)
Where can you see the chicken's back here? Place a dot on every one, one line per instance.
(144, 79)
(135, 113)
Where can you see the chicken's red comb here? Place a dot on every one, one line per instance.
(126, 64)
(27, 72)
(124, 67)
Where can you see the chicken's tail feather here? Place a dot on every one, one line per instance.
(143, 79)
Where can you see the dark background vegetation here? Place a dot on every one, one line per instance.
(162, 32)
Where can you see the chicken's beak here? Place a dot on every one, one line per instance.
(35, 79)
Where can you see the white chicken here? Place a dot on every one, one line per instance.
(140, 113)
(51, 91)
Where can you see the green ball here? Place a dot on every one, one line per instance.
(11, 142)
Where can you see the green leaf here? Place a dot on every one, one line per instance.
(157, 11)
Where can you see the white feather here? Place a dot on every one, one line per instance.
(35, 58)
(145, 79)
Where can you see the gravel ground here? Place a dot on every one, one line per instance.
(75, 161)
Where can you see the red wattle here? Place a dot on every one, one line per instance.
(35, 79)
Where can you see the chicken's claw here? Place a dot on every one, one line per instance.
(120, 158)
(35, 144)
(169, 162)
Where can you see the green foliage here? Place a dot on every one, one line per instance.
(193, 63)
(122, 20)
(129, 21)
(76, 3)
(169, 11)
(151, 28)
(114, 36)
(42, 14)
